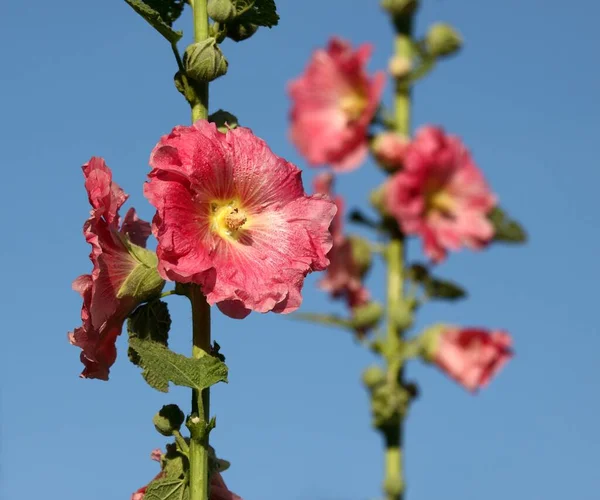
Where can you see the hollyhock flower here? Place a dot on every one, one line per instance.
(343, 277)
(471, 356)
(441, 195)
(234, 218)
(117, 256)
(333, 105)
(389, 149)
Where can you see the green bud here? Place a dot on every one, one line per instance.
(168, 420)
(442, 40)
(367, 316)
(241, 31)
(225, 121)
(402, 316)
(373, 376)
(143, 282)
(361, 254)
(393, 487)
(377, 199)
(204, 61)
(221, 11)
(400, 8)
(429, 341)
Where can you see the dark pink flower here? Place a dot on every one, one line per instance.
(104, 311)
(471, 356)
(441, 195)
(333, 105)
(234, 218)
(343, 277)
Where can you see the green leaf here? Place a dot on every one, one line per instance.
(161, 366)
(434, 287)
(258, 12)
(506, 229)
(162, 25)
(324, 319)
(150, 321)
(169, 10)
(167, 489)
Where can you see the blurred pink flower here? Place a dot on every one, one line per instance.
(234, 218)
(389, 149)
(333, 103)
(103, 312)
(441, 195)
(471, 356)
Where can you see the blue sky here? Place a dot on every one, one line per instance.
(91, 78)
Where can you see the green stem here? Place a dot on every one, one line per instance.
(394, 483)
(199, 451)
(200, 105)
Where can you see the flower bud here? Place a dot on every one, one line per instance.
(373, 376)
(221, 11)
(204, 61)
(241, 31)
(168, 420)
(366, 316)
(361, 254)
(402, 316)
(442, 40)
(224, 120)
(377, 199)
(143, 282)
(399, 66)
(389, 149)
(400, 8)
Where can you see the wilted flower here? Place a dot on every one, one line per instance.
(119, 261)
(333, 105)
(471, 356)
(234, 218)
(441, 195)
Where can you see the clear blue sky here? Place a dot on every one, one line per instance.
(91, 78)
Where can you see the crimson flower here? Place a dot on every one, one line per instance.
(471, 356)
(441, 195)
(334, 102)
(116, 253)
(234, 218)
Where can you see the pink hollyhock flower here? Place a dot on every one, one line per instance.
(333, 105)
(441, 195)
(343, 277)
(471, 356)
(234, 218)
(104, 310)
(389, 149)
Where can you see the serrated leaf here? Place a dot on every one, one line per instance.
(149, 321)
(506, 229)
(161, 366)
(258, 12)
(169, 10)
(154, 18)
(324, 319)
(167, 489)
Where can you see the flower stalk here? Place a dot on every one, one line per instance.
(199, 445)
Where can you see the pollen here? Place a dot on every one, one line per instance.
(228, 218)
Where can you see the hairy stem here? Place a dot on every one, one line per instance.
(394, 483)
(199, 452)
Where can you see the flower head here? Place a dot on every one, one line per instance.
(116, 256)
(234, 218)
(471, 356)
(441, 195)
(333, 104)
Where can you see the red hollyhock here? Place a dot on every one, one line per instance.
(441, 195)
(104, 308)
(333, 105)
(471, 356)
(234, 218)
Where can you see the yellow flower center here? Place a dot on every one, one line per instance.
(227, 218)
(439, 200)
(353, 104)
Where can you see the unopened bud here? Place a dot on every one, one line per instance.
(399, 66)
(224, 120)
(204, 61)
(399, 8)
(361, 254)
(373, 376)
(241, 31)
(221, 11)
(168, 420)
(389, 149)
(377, 199)
(442, 40)
(366, 316)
